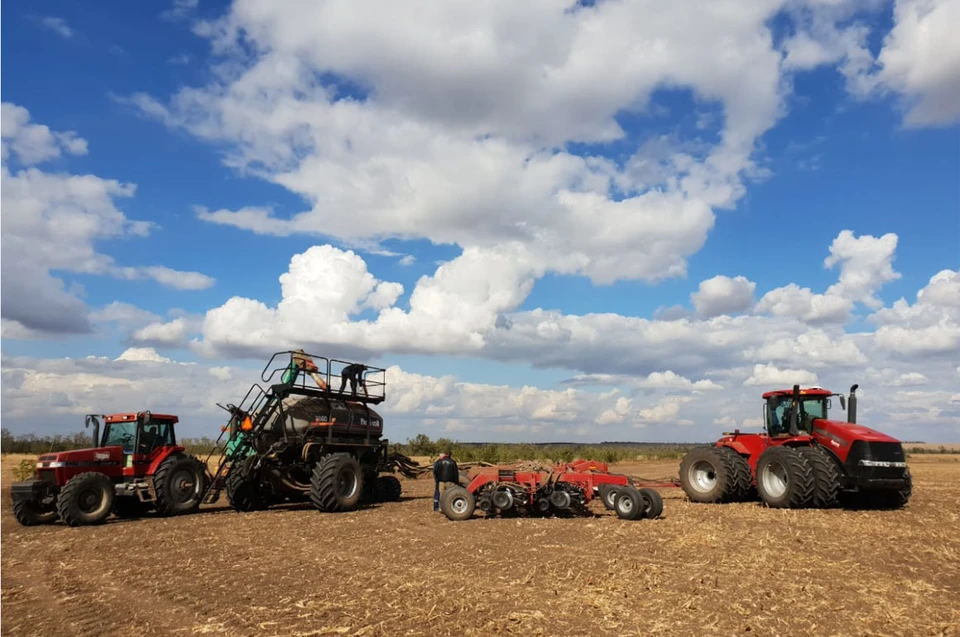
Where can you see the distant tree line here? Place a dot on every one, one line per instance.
(496, 452)
(422, 445)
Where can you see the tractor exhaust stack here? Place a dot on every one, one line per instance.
(92, 419)
(852, 411)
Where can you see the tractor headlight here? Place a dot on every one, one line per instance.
(51, 465)
(881, 463)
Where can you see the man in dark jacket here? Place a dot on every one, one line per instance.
(445, 471)
(354, 374)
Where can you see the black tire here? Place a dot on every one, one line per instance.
(707, 475)
(457, 504)
(608, 495)
(180, 482)
(29, 513)
(784, 478)
(886, 499)
(86, 499)
(372, 491)
(654, 503)
(388, 489)
(243, 490)
(743, 489)
(899, 498)
(337, 483)
(130, 507)
(630, 503)
(826, 477)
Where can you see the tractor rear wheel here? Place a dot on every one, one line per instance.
(388, 489)
(707, 475)
(784, 478)
(86, 498)
(608, 495)
(654, 503)
(826, 476)
(630, 503)
(30, 513)
(457, 504)
(337, 483)
(743, 489)
(180, 482)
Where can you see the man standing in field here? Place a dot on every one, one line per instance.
(445, 471)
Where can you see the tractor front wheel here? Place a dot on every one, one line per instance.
(180, 482)
(784, 478)
(86, 498)
(30, 513)
(826, 476)
(337, 483)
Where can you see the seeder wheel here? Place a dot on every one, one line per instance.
(457, 504)
(653, 503)
(608, 495)
(629, 504)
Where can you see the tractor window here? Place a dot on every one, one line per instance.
(779, 417)
(815, 407)
(120, 434)
(155, 434)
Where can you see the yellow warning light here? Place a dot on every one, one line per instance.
(247, 424)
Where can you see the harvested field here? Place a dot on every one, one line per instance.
(400, 569)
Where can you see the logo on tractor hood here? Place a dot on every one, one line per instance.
(101, 456)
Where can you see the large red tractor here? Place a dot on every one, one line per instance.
(803, 459)
(134, 467)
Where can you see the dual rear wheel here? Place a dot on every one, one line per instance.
(339, 484)
(786, 478)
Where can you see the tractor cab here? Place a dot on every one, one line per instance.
(791, 412)
(141, 436)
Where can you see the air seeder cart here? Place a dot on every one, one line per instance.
(562, 489)
(304, 440)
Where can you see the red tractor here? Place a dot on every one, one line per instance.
(804, 459)
(135, 467)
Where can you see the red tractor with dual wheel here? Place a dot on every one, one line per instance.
(804, 459)
(135, 467)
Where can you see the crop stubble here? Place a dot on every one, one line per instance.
(400, 569)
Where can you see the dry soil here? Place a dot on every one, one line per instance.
(401, 569)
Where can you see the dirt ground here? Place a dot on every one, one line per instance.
(401, 569)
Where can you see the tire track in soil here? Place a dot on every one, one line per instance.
(92, 606)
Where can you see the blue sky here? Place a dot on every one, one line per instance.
(833, 145)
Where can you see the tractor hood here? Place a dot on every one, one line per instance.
(848, 432)
(81, 457)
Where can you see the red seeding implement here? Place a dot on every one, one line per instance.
(563, 489)
(804, 459)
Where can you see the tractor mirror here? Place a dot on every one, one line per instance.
(843, 401)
